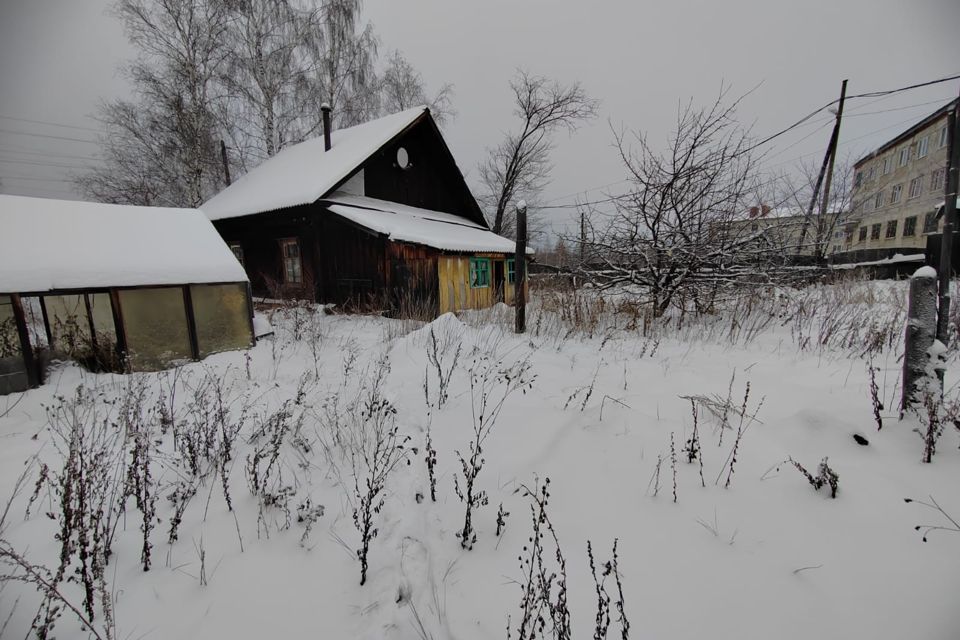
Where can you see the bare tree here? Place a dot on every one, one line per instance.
(402, 87)
(519, 167)
(676, 233)
(161, 148)
(811, 234)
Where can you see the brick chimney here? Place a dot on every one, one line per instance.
(754, 212)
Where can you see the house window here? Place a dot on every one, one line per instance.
(910, 227)
(936, 179)
(479, 273)
(863, 234)
(887, 164)
(292, 267)
(922, 146)
(930, 222)
(892, 229)
(857, 179)
(511, 271)
(878, 200)
(904, 156)
(916, 186)
(875, 231)
(895, 193)
(943, 137)
(237, 251)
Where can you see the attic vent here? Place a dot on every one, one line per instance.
(403, 158)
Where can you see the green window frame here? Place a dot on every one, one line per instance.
(511, 271)
(479, 273)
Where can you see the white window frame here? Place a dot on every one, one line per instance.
(904, 156)
(916, 188)
(888, 164)
(237, 250)
(895, 192)
(878, 200)
(923, 146)
(936, 179)
(944, 138)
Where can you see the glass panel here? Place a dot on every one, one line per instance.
(69, 326)
(9, 336)
(155, 322)
(221, 315)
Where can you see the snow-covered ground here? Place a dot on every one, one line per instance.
(765, 557)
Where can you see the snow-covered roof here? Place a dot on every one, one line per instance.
(420, 226)
(60, 244)
(302, 173)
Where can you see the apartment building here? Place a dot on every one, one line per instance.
(896, 190)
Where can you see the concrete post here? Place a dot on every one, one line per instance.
(919, 336)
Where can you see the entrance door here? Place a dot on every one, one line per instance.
(498, 280)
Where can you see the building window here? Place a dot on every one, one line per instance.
(878, 200)
(888, 164)
(930, 222)
(238, 252)
(292, 267)
(479, 273)
(891, 228)
(910, 227)
(904, 156)
(916, 186)
(511, 271)
(875, 231)
(863, 234)
(857, 179)
(936, 179)
(922, 146)
(943, 137)
(895, 193)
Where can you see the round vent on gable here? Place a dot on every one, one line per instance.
(403, 158)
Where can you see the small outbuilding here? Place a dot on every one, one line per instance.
(117, 287)
(377, 215)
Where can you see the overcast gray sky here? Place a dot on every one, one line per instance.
(641, 58)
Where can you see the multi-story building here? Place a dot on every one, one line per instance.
(896, 190)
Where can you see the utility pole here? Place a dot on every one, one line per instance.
(825, 203)
(226, 165)
(583, 236)
(520, 269)
(949, 218)
(827, 164)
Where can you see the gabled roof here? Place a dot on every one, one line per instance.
(60, 244)
(303, 173)
(403, 223)
(915, 128)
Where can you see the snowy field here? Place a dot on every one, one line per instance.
(728, 541)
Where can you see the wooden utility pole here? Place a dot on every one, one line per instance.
(520, 269)
(583, 236)
(827, 165)
(825, 202)
(949, 218)
(226, 165)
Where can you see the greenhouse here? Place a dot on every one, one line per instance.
(114, 287)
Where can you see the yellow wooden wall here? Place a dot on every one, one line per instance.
(454, 281)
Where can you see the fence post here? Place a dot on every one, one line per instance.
(520, 269)
(919, 335)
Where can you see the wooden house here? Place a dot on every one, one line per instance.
(376, 215)
(116, 287)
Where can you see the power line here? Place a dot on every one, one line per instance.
(43, 164)
(67, 180)
(44, 135)
(51, 124)
(50, 155)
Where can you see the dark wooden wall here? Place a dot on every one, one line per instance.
(260, 236)
(432, 180)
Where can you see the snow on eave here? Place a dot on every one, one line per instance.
(50, 245)
(403, 223)
(302, 173)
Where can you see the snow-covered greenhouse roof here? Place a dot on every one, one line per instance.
(50, 245)
(303, 173)
(403, 223)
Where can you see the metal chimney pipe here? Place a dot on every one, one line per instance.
(325, 108)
